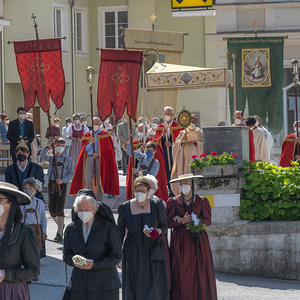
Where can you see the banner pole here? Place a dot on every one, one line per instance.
(144, 100)
(49, 119)
(234, 89)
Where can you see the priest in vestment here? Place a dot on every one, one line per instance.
(188, 143)
(239, 122)
(104, 157)
(260, 144)
(290, 148)
(166, 134)
(162, 191)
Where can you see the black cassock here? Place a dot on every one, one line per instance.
(141, 278)
(105, 248)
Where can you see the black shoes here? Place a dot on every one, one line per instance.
(58, 238)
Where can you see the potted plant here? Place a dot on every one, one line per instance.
(214, 165)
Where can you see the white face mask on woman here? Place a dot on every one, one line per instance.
(154, 125)
(185, 189)
(85, 216)
(2, 209)
(76, 121)
(140, 197)
(151, 193)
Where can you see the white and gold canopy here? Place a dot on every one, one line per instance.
(170, 76)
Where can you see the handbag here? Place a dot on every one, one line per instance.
(157, 252)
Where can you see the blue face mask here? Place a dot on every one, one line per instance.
(149, 154)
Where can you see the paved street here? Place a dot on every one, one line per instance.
(52, 280)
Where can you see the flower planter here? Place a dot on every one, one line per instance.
(217, 171)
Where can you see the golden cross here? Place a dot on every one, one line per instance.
(120, 78)
(255, 26)
(153, 17)
(39, 68)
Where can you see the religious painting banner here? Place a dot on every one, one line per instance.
(41, 72)
(259, 78)
(151, 39)
(118, 83)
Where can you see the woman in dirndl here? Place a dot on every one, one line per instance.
(19, 246)
(75, 133)
(192, 267)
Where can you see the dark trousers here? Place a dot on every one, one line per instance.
(124, 161)
(56, 204)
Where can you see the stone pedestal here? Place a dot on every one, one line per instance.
(231, 139)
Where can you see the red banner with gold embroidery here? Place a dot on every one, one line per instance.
(41, 72)
(118, 84)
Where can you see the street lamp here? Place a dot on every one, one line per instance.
(294, 63)
(90, 71)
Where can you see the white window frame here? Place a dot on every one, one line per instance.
(83, 11)
(101, 22)
(64, 24)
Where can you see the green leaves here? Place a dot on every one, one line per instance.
(269, 189)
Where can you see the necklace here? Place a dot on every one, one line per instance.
(141, 206)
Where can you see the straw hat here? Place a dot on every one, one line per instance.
(22, 198)
(186, 177)
(22, 144)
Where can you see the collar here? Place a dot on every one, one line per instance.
(20, 167)
(97, 132)
(170, 124)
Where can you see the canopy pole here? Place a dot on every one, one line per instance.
(234, 89)
(227, 87)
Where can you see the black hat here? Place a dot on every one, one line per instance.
(86, 192)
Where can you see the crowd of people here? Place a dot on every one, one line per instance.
(159, 193)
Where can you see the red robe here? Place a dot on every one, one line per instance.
(108, 170)
(174, 128)
(287, 150)
(162, 191)
(251, 145)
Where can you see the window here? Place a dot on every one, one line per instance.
(80, 29)
(60, 24)
(111, 18)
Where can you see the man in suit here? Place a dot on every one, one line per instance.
(18, 129)
(23, 169)
(123, 138)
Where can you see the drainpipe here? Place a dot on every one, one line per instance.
(2, 73)
(73, 58)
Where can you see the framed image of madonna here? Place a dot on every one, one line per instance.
(256, 68)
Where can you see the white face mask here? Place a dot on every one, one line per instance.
(85, 216)
(256, 124)
(168, 118)
(185, 189)
(107, 121)
(295, 129)
(192, 126)
(57, 125)
(7, 122)
(76, 121)
(2, 209)
(30, 193)
(140, 197)
(84, 122)
(238, 121)
(151, 193)
(140, 134)
(95, 128)
(22, 116)
(60, 149)
(154, 125)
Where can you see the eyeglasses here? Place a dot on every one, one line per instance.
(3, 199)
